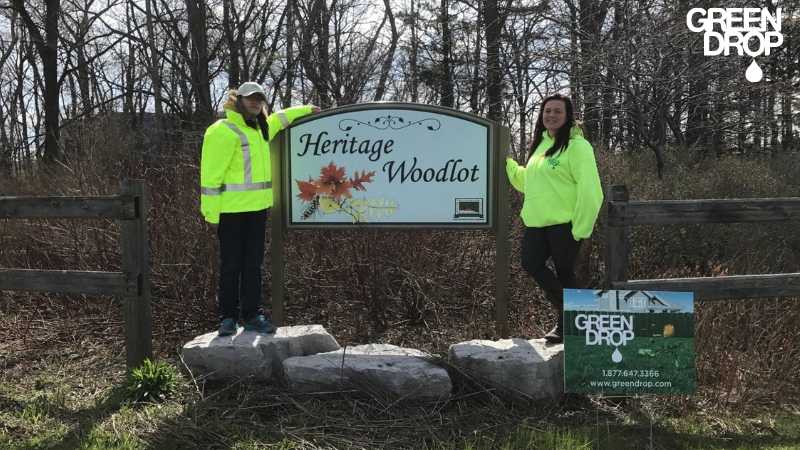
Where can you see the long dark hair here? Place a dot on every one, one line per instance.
(562, 135)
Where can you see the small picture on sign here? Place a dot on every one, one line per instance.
(331, 193)
(469, 208)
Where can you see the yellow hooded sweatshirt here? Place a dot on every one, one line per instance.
(561, 188)
(235, 168)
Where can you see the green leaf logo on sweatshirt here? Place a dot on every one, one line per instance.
(553, 162)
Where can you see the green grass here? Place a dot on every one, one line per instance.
(672, 358)
(549, 438)
(783, 436)
(42, 406)
(525, 438)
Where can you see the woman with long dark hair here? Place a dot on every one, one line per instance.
(562, 199)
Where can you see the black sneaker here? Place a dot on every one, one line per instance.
(555, 336)
(228, 327)
(260, 324)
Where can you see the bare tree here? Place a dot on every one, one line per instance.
(201, 79)
(494, 16)
(8, 143)
(47, 48)
(155, 75)
(388, 60)
(339, 51)
(633, 87)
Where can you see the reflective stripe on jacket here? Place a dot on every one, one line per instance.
(235, 168)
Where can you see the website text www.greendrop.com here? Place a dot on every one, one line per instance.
(631, 384)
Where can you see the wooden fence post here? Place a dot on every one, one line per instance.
(136, 259)
(616, 254)
(502, 244)
(277, 274)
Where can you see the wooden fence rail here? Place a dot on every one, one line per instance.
(622, 214)
(133, 283)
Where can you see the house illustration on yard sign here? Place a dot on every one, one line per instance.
(634, 301)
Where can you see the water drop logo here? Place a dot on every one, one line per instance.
(754, 73)
(616, 356)
(749, 31)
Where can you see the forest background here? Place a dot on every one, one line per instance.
(93, 92)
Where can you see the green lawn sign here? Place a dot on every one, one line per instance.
(628, 342)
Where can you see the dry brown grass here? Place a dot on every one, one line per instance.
(421, 289)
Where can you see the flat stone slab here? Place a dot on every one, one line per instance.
(515, 368)
(374, 368)
(252, 354)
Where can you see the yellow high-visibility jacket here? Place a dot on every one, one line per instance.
(235, 168)
(561, 188)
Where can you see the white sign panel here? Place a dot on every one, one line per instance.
(389, 166)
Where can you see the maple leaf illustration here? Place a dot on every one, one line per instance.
(358, 181)
(332, 174)
(324, 188)
(342, 190)
(333, 182)
(307, 189)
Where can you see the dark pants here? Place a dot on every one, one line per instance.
(538, 245)
(241, 248)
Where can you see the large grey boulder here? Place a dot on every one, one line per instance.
(252, 354)
(375, 368)
(516, 369)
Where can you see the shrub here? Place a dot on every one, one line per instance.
(153, 382)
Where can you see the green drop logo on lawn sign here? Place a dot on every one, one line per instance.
(628, 342)
(616, 356)
(606, 329)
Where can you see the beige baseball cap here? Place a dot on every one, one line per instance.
(250, 88)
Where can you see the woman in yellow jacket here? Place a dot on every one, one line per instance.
(235, 192)
(562, 199)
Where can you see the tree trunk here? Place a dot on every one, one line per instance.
(774, 123)
(608, 114)
(83, 81)
(476, 86)
(446, 80)
(316, 25)
(788, 125)
(758, 129)
(494, 27)
(47, 47)
(413, 68)
(575, 81)
(201, 81)
(698, 113)
(389, 58)
(591, 17)
(49, 54)
(291, 27)
(155, 77)
(24, 139)
(6, 142)
(228, 22)
(128, 107)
